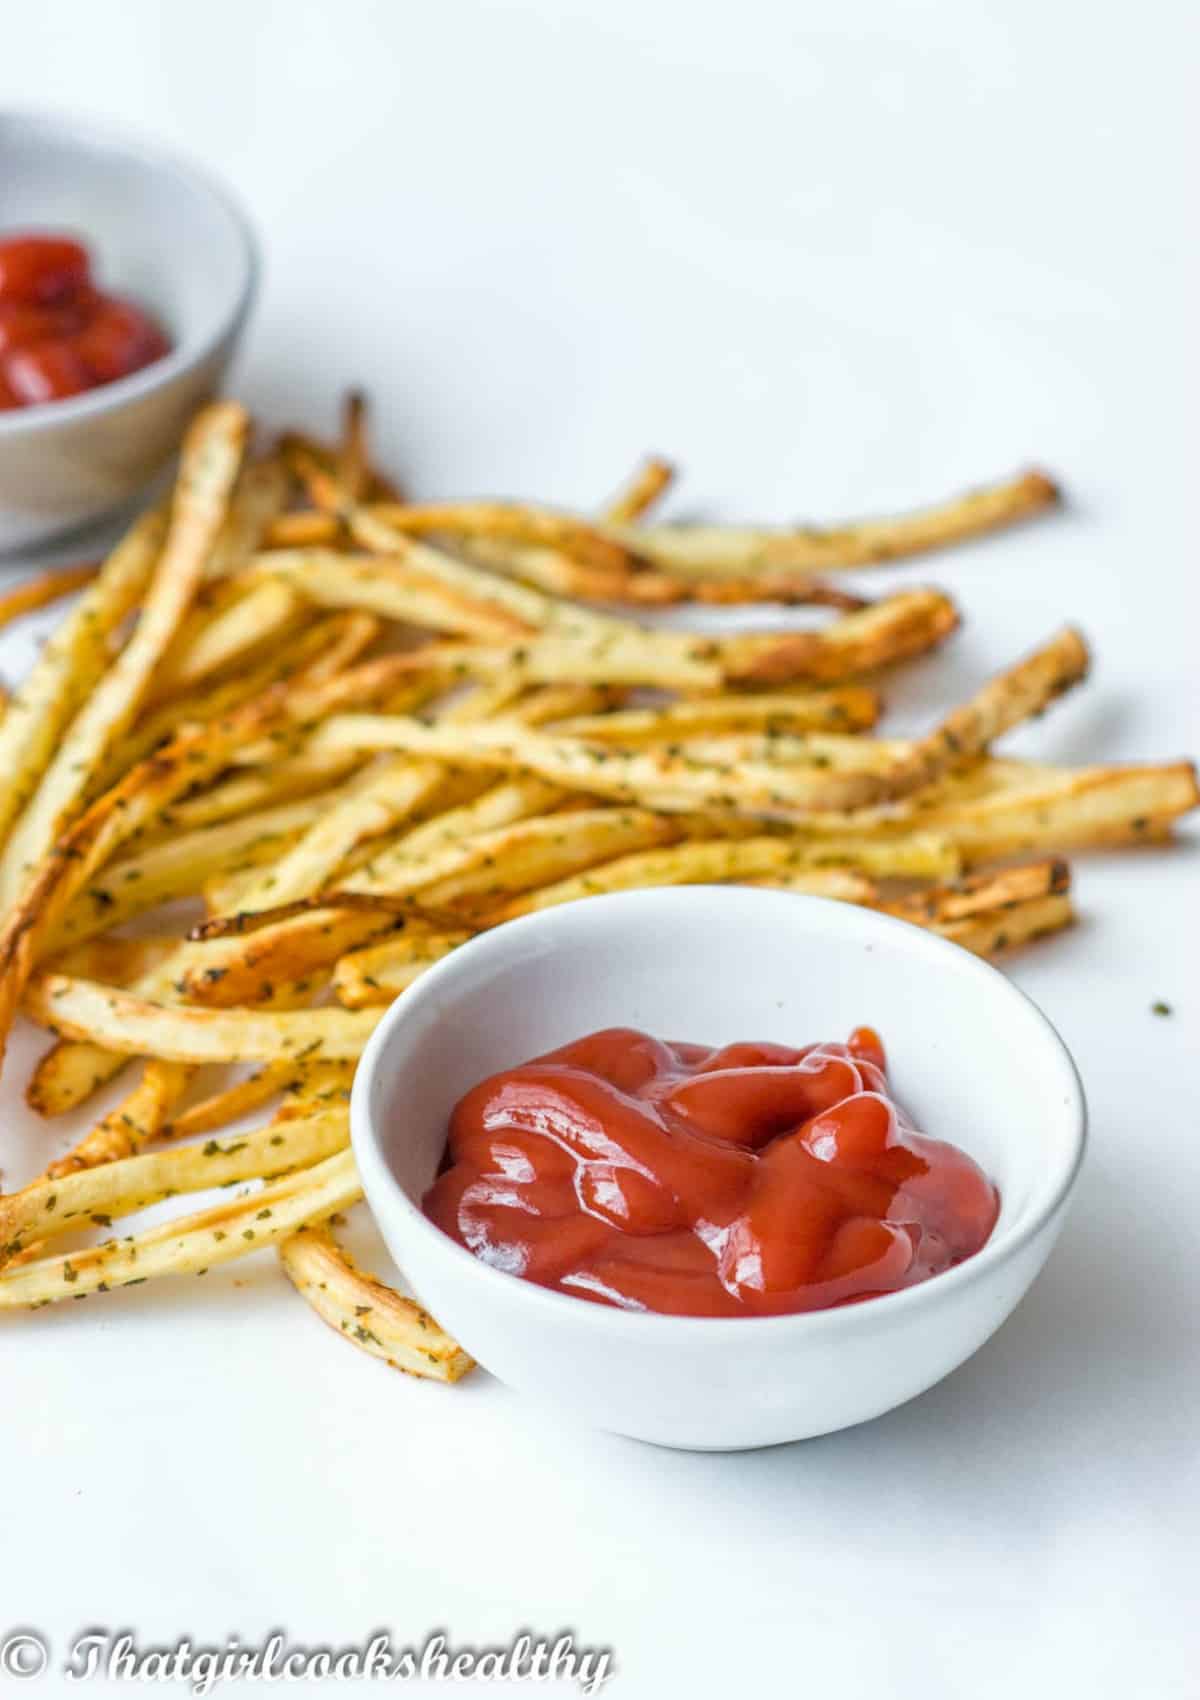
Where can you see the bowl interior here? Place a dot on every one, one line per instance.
(157, 230)
(970, 1057)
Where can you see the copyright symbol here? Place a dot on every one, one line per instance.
(23, 1654)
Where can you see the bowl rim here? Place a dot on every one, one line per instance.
(377, 1174)
(107, 137)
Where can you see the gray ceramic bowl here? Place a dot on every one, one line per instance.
(158, 231)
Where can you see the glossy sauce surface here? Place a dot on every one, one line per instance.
(756, 1179)
(59, 334)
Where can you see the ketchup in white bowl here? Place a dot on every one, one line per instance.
(752, 1180)
(60, 334)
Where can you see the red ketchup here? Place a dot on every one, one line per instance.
(753, 1180)
(59, 335)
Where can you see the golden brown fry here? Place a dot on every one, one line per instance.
(121, 1021)
(658, 777)
(117, 1187)
(381, 903)
(178, 865)
(732, 549)
(517, 522)
(369, 1314)
(117, 960)
(1017, 694)
(476, 871)
(209, 464)
(563, 575)
(891, 630)
(1065, 809)
(998, 889)
(115, 817)
(230, 971)
(316, 1086)
(647, 486)
(233, 1102)
(260, 494)
(305, 530)
(380, 972)
(393, 586)
(268, 785)
(995, 931)
(190, 1244)
(380, 799)
(135, 1122)
(47, 587)
(70, 666)
(261, 616)
(722, 859)
(354, 460)
(325, 647)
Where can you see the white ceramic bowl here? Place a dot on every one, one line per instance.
(160, 232)
(970, 1056)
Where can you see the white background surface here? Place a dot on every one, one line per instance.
(832, 258)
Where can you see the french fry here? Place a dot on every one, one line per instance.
(354, 460)
(118, 1187)
(530, 852)
(891, 630)
(269, 785)
(70, 666)
(260, 494)
(210, 459)
(564, 575)
(733, 549)
(389, 794)
(533, 608)
(231, 1103)
(135, 1122)
(190, 1245)
(120, 1021)
(789, 590)
(316, 1086)
(380, 972)
(72, 1069)
(369, 903)
(1065, 809)
(1017, 694)
(133, 806)
(648, 485)
(521, 522)
(995, 931)
(477, 870)
(659, 777)
(47, 587)
(715, 860)
(382, 798)
(229, 971)
(263, 615)
(975, 895)
(391, 586)
(324, 647)
(115, 959)
(302, 530)
(178, 865)
(369, 1314)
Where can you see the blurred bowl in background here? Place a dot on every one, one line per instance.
(160, 232)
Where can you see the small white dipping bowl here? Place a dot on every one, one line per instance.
(970, 1057)
(160, 232)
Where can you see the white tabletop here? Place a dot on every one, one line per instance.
(831, 259)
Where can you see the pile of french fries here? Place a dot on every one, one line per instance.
(361, 730)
